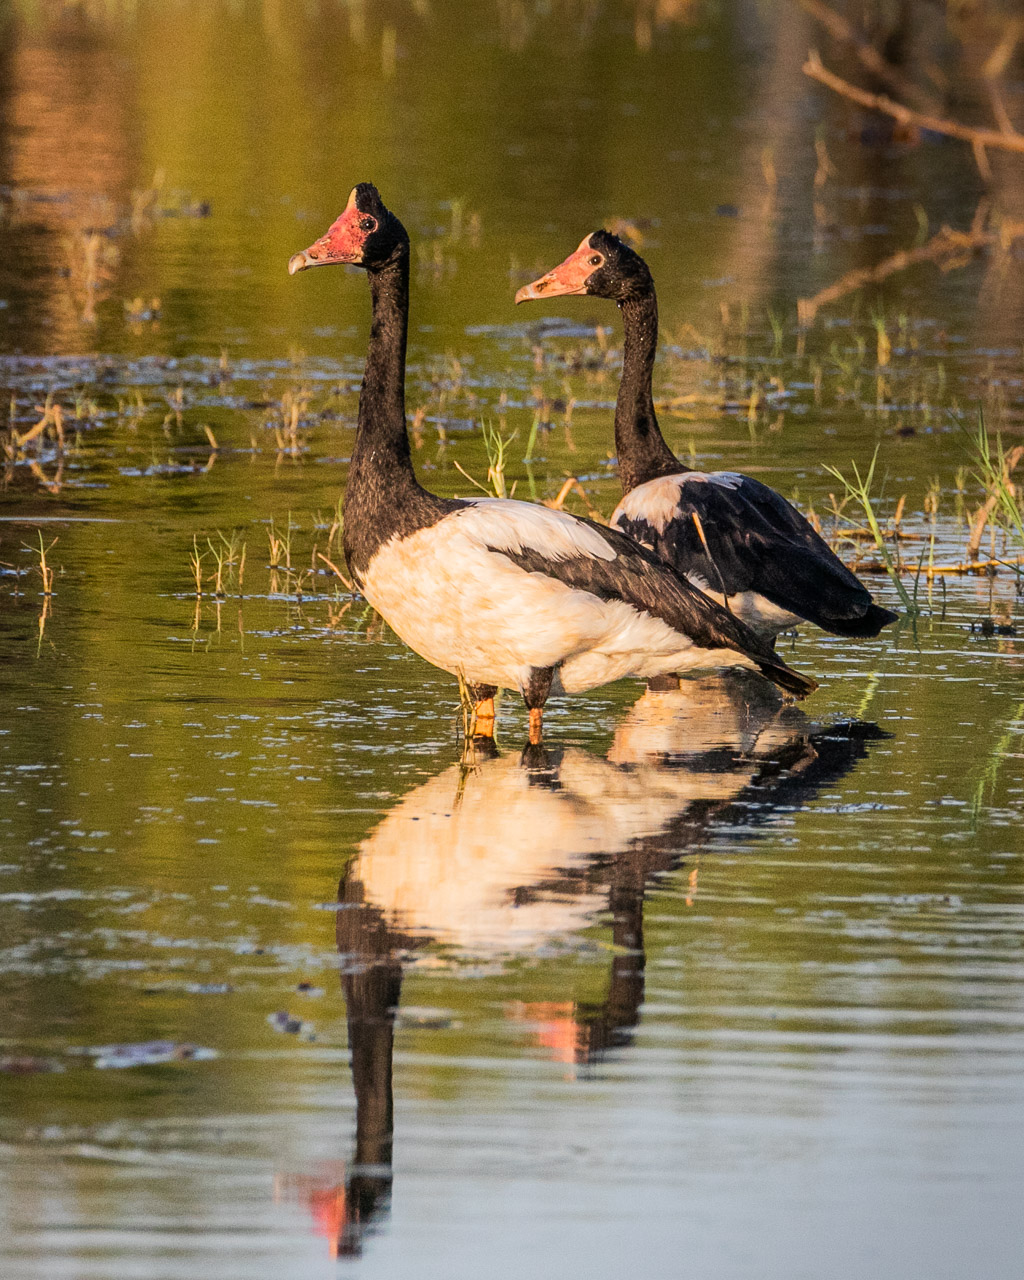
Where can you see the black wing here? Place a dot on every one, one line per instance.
(760, 543)
(638, 578)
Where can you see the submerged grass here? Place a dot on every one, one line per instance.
(497, 447)
(1003, 501)
(983, 792)
(859, 490)
(218, 561)
(43, 566)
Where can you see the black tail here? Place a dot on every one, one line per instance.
(785, 677)
(870, 622)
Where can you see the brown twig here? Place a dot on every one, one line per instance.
(982, 138)
(978, 524)
(946, 243)
(841, 30)
(984, 513)
(973, 567)
(335, 570)
(571, 483)
(997, 61)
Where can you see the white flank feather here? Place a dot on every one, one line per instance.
(472, 611)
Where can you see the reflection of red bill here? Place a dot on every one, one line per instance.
(553, 1026)
(324, 1198)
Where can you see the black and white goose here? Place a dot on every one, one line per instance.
(505, 594)
(735, 538)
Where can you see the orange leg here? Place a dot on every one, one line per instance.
(483, 718)
(536, 725)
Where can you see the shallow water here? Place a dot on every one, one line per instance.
(710, 985)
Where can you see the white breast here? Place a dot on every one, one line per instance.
(471, 610)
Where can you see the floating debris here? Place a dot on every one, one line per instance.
(992, 627)
(148, 1053)
(288, 1024)
(27, 1065)
(426, 1018)
(190, 988)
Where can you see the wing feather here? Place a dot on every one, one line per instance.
(606, 563)
(757, 541)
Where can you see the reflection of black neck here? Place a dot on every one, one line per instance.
(372, 982)
(642, 452)
(611, 1024)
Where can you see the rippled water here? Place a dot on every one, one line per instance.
(291, 986)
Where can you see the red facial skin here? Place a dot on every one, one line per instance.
(342, 242)
(570, 276)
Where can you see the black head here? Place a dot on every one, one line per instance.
(602, 266)
(366, 234)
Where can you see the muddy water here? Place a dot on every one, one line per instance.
(711, 984)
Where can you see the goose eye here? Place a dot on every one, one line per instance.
(595, 261)
(368, 224)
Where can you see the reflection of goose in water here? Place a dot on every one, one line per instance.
(493, 858)
(724, 715)
(501, 857)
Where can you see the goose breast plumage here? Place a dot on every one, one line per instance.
(480, 594)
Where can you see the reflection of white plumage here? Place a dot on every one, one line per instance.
(473, 857)
(447, 860)
(722, 713)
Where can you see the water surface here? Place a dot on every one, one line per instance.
(710, 985)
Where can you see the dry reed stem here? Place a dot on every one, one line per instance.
(53, 416)
(335, 570)
(972, 567)
(54, 484)
(571, 483)
(979, 523)
(984, 514)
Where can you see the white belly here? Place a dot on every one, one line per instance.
(475, 613)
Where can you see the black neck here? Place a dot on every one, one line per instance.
(642, 452)
(383, 499)
(382, 442)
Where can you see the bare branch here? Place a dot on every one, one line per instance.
(935, 124)
(837, 27)
(945, 244)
